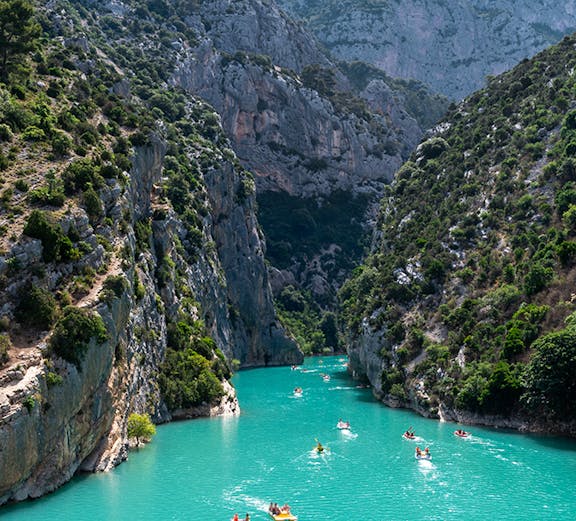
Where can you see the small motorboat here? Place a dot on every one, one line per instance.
(342, 425)
(461, 434)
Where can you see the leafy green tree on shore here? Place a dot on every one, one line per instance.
(140, 427)
(18, 32)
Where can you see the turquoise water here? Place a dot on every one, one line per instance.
(208, 469)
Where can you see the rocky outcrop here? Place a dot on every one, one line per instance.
(257, 336)
(292, 138)
(450, 46)
(258, 27)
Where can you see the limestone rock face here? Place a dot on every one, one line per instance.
(293, 139)
(259, 27)
(49, 430)
(256, 335)
(451, 46)
(365, 362)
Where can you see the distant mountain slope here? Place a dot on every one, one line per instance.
(451, 46)
(466, 306)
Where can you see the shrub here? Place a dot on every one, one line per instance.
(73, 331)
(537, 278)
(33, 133)
(53, 379)
(37, 308)
(5, 344)
(79, 174)
(55, 245)
(186, 380)
(5, 132)
(549, 376)
(61, 144)
(117, 284)
(92, 204)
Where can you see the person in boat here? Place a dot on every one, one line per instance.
(285, 509)
(342, 424)
(409, 433)
(418, 451)
(427, 451)
(319, 447)
(235, 518)
(247, 518)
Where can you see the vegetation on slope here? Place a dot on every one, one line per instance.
(70, 122)
(472, 283)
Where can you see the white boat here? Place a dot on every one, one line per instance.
(343, 425)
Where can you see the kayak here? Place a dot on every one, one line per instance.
(461, 434)
(408, 437)
(343, 425)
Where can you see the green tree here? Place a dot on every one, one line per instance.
(18, 32)
(73, 332)
(549, 376)
(140, 427)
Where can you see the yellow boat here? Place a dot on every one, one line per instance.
(283, 516)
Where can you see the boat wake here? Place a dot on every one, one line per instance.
(348, 434)
(234, 497)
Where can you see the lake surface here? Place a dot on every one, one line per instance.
(206, 470)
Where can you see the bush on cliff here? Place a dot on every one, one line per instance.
(73, 332)
(55, 245)
(549, 376)
(37, 308)
(187, 380)
(4, 345)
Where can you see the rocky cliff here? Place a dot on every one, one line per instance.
(450, 46)
(292, 137)
(301, 124)
(141, 227)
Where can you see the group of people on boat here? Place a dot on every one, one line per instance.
(410, 434)
(342, 424)
(423, 454)
(276, 510)
(236, 518)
